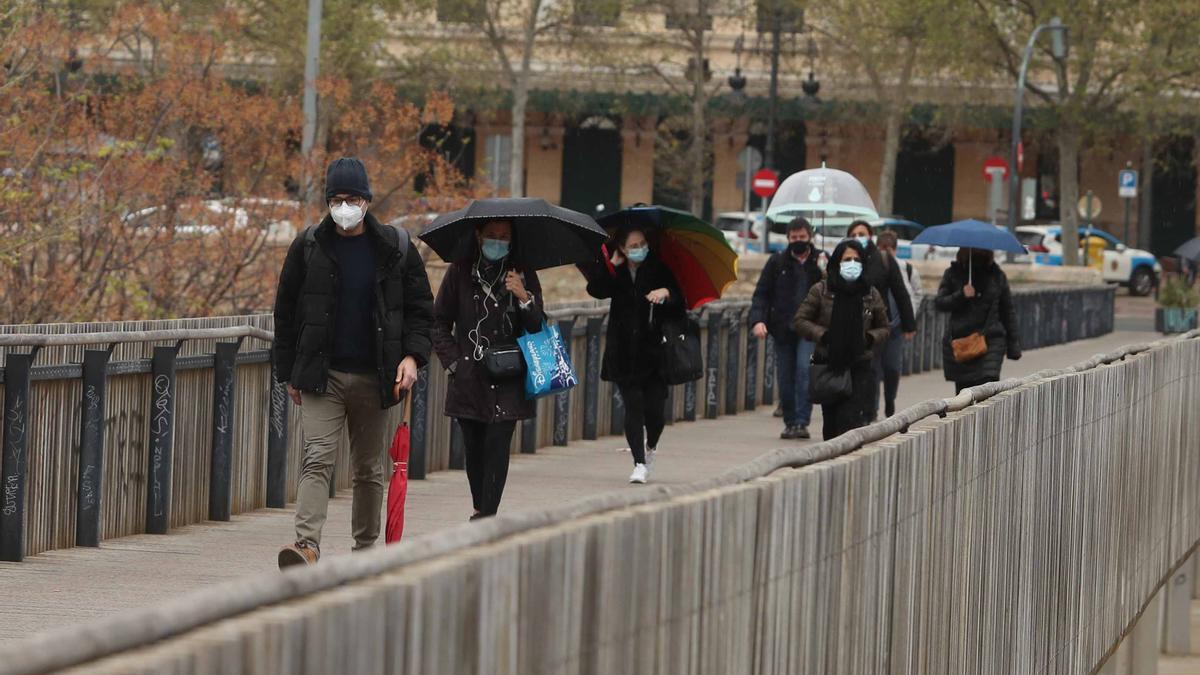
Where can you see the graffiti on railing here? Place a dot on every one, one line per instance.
(87, 488)
(92, 415)
(160, 428)
(16, 437)
(226, 395)
(279, 400)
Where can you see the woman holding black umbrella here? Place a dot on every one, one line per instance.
(644, 293)
(486, 301)
(846, 318)
(983, 324)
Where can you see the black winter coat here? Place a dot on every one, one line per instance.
(781, 288)
(889, 277)
(989, 312)
(306, 308)
(633, 353)
(472, 393)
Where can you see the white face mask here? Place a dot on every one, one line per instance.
(347, 216)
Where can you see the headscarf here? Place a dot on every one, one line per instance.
(847, 335)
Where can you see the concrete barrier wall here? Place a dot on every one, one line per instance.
(1018, 528)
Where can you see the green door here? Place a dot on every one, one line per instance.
(591, 170)
(924, 181)
(1173, 201)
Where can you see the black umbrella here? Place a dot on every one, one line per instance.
(1189, 250)
(544, 235)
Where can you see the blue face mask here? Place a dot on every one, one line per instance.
(495, 249)
(638, 255)
(851, 270)
(864, 240)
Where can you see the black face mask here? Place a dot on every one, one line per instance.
(798, 247)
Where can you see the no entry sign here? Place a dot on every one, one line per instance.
(995, 165)
(765, 183)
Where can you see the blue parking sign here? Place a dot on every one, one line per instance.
(1127, 183)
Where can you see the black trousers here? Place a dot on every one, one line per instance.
(486, 448)
(851, 413)
(645, 408)
(959, 386)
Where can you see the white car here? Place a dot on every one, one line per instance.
(203, 217)
(730, 224)
(1131, 267)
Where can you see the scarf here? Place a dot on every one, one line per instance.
(847, 334)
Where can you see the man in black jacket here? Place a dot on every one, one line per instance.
(781, 288)
(353, 317)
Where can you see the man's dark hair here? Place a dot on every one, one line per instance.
(800, 223)
(887, 239)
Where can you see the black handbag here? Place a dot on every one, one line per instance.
(683, 357)
(826, 385)
(504, 363)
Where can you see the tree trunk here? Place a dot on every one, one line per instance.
(887, 172)
(1068, 176)
(1145, 193)
(516, 177)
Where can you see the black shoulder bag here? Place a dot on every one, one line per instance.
(683, 357)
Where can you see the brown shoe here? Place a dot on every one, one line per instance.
(299, 553)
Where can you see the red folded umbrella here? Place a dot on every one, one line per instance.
(398, 489)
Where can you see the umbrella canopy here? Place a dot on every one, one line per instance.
(1189, 250)
(544, 235)
(824, 192)
(970, 234)
(702, 261)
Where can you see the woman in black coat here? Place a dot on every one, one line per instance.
(486, 302)
(884, 275)
(644, 293)
(974, 290)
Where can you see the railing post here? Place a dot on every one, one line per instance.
(220, 495)
(712, 402)
(91, 448)
(277, 446)
(162, 440)
(768, 373)
(562, 400)
(751, 398)
(669, 406)
(16, 449)
(689, 401)
(732, 352)
(616, 422)
(418, 455)
(591, 388)
(529, 436)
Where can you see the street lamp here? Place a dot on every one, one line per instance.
(1058, 48)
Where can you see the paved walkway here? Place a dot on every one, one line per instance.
(73, 585)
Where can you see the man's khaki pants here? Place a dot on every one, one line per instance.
(351, 400)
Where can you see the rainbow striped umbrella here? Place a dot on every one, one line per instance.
(702, 261)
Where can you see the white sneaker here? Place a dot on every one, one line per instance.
(650, 453)
(639, 474)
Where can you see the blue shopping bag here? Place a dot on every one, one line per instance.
(548, 363)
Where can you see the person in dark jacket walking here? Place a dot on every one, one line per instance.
(846, 318)
(352, 321)
(644, 293)
(485, 303)
(785, 280)
(891, 356)
(974, 290)
(887, 278)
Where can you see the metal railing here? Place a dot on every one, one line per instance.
(1021, 526)
(176, 422)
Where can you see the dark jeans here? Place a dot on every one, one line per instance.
(849, 413)
(486, 447)
(792, 363)
(888, 363)
(645, 408)
(959, 386)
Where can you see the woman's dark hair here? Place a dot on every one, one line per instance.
(622, 235)
(887, 238)
(870, 230)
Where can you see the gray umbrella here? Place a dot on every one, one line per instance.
(1189, 250)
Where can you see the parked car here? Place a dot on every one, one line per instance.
(730, 224)
(1131, 267)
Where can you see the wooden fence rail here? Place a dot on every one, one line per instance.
(166, 426)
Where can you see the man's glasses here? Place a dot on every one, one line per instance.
(352, 201)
